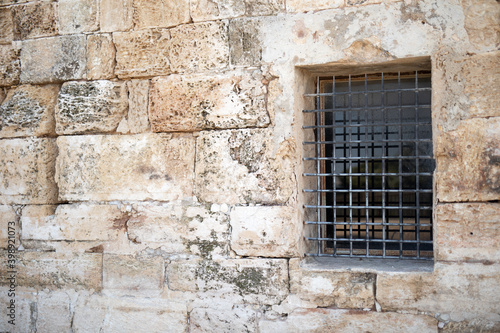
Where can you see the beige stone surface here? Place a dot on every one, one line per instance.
(272, 231)
(481, 23)
(202, 10)
(116, 15)
(160, 13)
(9, 227)
(25, 310)
(337, 320)
(100, 57)
(244, 42)
(37, 19)
(135, 167)
(235, 99)
(28, 111)
(468, 162)
(142, 53)
(472, 326)
(54, 312)
(10, 65)
(294, 6)
(6, 26)
(76, 16)
(137, 120)
(240, 318)
(208, 40)
(27, 169)
(244, 166)
(67, 60)
(90, 107)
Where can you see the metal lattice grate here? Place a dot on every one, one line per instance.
(370, 165)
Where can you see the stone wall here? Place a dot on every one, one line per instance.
(151, 166)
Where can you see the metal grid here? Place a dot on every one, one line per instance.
(371, 166)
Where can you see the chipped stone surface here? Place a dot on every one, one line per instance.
(34, 20)
(90, 107)
(142, 53)
(208, 40)
(10, 65)
(202, 10)
(135, 167)
(481, 23)
(28, 111)
(100, 57)
(9, 227)
(198, 102)
(294, 6)
(468, 162)
(160, 13)
(76, 16)
(6, 26)
(243, 167)
(54, 313)
(245, 45)
(116, 15)
(27, 169)
(67, 60)
(238, 319)
(137, 120)
(265, 231)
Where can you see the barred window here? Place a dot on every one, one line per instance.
(371, 166)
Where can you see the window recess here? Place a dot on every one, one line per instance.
(369, 166)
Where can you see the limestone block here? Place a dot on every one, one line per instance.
(100, 57)
(254, 280)
(129, 276)
(28, 111)
(137, 120)
(90, 107)
(142, 53)
(25, 303)
(53, 312)
(116, 15)
(295, 6)
(9, 227)
(10, 65)
(326, 288)
(461, 291)
(272, 231)
(76, 16)
(36, 19)
(244, 166)
(67, 60)
(74, 222)
(202, 10)
(468, 232)
(6, 26)
(160, 13)
(27, 169)
(468, 162)
(198, 102)
(238, 319)
(472, 326)
(337, 320)
(481, 23)
(208, 40)
(245, 42)
(135, 167)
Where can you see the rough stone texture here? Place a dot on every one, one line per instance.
(245, 43)
(77, 16)
(9, 227)
(74, 222)
(244, 166)
(265, 231)
(10, 66)
(468, 162)
(135, 167)
(137, 120)
(54, 312)
(202, 10)
(91, 107)
(481, 23)
(254, 280)
(458, 291)
(335, 320)
(208, 40)
(238, 319)
(25, 307)
(142, 53)
(27, 169)
(294, 6)
(34, 20)
(67, 60)
(28, 111)
(471, 327)
(6, 26)
(100, 57)
(160, 13)
(198, 102)
(327, 288)
(116, 15)
(468, 232)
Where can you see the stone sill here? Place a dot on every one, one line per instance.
(366, 265)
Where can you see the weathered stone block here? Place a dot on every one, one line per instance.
(53, 313)
(160, 13)
(100, 57)
(311, 5)
(272, 231)
(77, 16)
(197, 102)
(25, 303)
(238, 319)
(137, 120)
(245, 42)
(221, 9)
(27, 169)
(244, 166)
(142, 53)
(28, 111)
(36, 19)
(468, 162)
(116, 15)
(10, 65)
(9, 227)
(326, 288)
(91, 107)
(67, 60)
(137, 167)
(468, 232)
(208, 40)
(6, 26)
(481, 23)
(336, 320)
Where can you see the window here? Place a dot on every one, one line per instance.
(369, 152)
